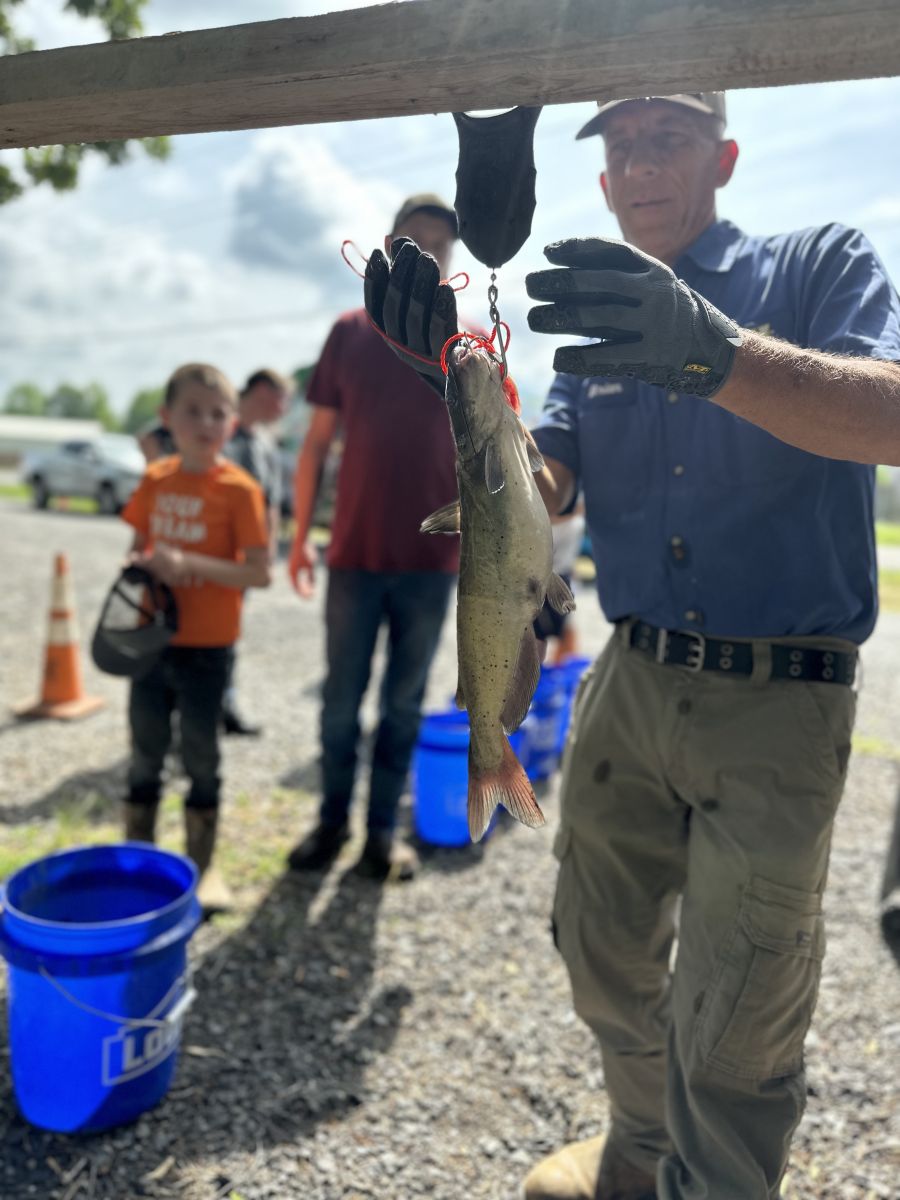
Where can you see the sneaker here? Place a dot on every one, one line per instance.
(385, 858)
(319, 848)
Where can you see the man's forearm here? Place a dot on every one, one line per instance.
(306, 488)
(830, 405)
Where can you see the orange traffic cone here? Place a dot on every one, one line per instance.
(62, 695)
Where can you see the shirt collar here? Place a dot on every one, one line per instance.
(716, 248)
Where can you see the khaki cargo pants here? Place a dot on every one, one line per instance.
(720, 790)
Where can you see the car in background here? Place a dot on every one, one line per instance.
(106, 469)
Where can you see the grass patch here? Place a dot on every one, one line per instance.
(257, 832)
(875, 747)
(889, 591)
(14, 491)
(887, 533)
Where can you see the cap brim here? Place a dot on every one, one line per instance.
(596, 123)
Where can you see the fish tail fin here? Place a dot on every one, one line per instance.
(507, 785)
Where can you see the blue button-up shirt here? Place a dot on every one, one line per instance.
(700, 520)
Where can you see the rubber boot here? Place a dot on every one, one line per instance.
(588, 1170)
(140, 821)
(213, 892)
(319, 848)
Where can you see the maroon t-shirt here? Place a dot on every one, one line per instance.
(399, 460)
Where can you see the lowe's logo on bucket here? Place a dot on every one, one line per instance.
(138, 1047)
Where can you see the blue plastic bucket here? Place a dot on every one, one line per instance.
(96, 944)
(544, 729)
(441, 780)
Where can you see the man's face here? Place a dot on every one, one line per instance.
(663, 166)
(431, 234)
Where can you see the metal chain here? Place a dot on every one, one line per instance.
(494, 314)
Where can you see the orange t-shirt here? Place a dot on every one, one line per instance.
(220, 513)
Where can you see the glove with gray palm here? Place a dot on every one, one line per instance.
(652, 326)
(410, 305)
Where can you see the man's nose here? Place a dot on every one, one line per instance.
(643, 159)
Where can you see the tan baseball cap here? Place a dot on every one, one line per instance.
(711, 103)
(426, 202)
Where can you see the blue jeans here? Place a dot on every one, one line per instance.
(414, 605)
(193, 682)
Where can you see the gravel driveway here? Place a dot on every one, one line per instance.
(351, 1041)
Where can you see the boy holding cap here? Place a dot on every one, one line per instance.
(200, 528)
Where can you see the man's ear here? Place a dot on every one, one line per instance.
(388, 238)
(728, 156)
(604, 184)
(163, 415)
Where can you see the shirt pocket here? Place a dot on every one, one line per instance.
(615, 450)
(756, 1012)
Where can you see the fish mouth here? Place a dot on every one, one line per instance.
(463, 359)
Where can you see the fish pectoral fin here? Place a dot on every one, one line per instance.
(443, 520)
(507, 785)
(524, 681)
(459, 699)
(559, 595)
(493, 469)
(535, 460)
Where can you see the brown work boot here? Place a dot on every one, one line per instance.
(213, 892)
(588, 1170)
(385, 858)
(140, 821)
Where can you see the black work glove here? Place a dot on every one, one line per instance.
(654, 327)
(408, 303)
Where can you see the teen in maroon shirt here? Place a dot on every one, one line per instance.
(398, 466)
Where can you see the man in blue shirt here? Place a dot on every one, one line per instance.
(711, 739)
(718, 422)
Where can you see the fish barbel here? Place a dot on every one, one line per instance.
(506, 573)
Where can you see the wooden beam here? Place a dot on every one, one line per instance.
(428, 56)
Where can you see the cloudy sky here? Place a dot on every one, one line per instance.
(229, 251)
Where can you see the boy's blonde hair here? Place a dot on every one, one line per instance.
(204, 374)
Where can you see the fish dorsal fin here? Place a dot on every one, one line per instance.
(534, 457)
(559, 595)
(524, 681)
(443, 520)
(493, 469)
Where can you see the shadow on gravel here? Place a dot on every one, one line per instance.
(286, 1024)
(93, 795)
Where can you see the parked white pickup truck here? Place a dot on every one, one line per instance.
(107, 470)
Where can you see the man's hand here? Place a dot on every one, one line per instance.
(652, 325)
(302, 563)
(408, 303)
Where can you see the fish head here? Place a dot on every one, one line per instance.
(474, 396)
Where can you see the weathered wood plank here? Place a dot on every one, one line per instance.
(436, 56)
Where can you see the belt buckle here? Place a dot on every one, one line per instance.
(662, 645)
(696, 653)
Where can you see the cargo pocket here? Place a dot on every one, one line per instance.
(756, 1012)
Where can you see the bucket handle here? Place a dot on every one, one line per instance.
(184, 1002)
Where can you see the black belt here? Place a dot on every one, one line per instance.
(698, 653)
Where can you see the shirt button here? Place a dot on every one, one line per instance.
(672, 397)
(676, 540)
(679, 470)
(692, 614)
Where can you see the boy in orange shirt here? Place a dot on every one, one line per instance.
(200, 527)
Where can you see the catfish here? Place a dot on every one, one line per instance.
(506, 573)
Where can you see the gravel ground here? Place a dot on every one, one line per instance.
(352, 1041)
